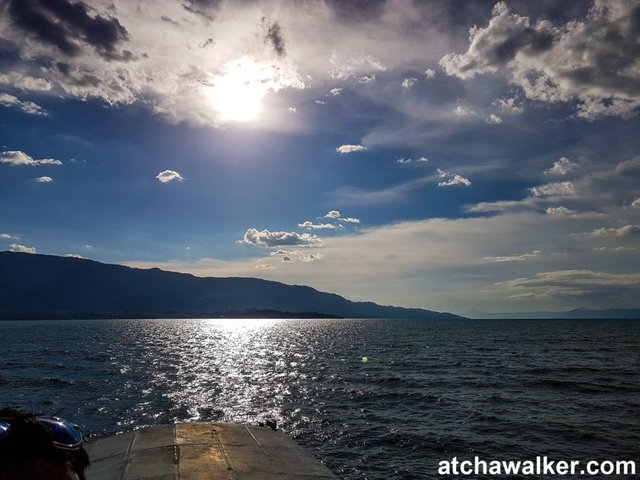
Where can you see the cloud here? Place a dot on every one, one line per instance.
(311, 257)
(494, 119)
(334, 92)
(559, 211)
(265, 238)
(68, 26)
(73, 255)
(577, 279)
(316, 226)
(455, 180)
(24, 82)
(354, 67)
(18, 158)
(592, 61)
(320, 102)
(450, 180)
(31, 108)
(16, 247)
(291, 255)
(404, 161)
(275, 38)
(292, 109)
(350, 148)
(365, 79)
(554, 190)
(411, 253)
(407, 83)
(169, 176)
(265, 266)
(509, 105)
(430, 73)
(562, 166)
(463, 111)
(43, 179)
(629, 166)
(617, 232)
(636, 203)
(515, 258)
(336, 215)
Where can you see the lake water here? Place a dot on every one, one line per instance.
(431, 390)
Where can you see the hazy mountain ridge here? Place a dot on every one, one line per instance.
(577, 313)
(45, 286)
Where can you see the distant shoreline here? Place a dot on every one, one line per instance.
(244, 314)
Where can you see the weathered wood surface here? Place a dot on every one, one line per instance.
(199, 451)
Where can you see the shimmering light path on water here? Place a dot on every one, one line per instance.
(428, 390)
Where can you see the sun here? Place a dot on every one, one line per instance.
(236, 94)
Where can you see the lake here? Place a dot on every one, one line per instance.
(429, 390)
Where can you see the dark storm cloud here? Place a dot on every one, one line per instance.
(85, 80)
(356, 10)
(67, 25)
(274, 36)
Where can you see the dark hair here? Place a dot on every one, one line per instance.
(29, 442)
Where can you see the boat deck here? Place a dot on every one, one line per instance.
(198, 451)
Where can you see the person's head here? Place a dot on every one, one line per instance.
(30, 448)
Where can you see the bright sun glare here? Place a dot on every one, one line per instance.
(237, 94)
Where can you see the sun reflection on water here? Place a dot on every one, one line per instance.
(229, 370)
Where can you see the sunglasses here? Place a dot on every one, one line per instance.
(63, 434)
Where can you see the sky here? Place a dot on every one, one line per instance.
(448, 155)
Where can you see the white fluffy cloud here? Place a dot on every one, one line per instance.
(553, 190)
(16, 247)
(264, 266)
(562, 166)
(592, 60)
(169, 176)
(463, 111)
(31, 108)
(617, 232)
(559, 211)
(334, 92)
(455, 180)
(636, 203)
(265, 238)
(494, 119)
(336, 215)
(44, 179)
(430, 73)
(316, 226)
(407, 83)
(450, 180)
(404, 161)
(350, 148)
(17, 158)
(509, 105)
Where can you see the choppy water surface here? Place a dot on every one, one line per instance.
(430, 391)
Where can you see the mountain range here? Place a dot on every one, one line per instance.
(34, 286)
(576, 313)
